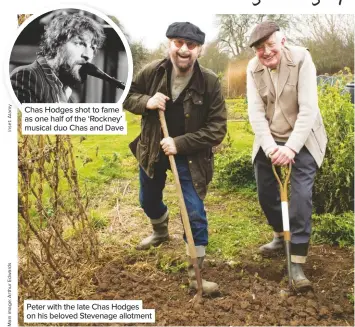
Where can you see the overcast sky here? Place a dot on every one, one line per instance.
(151, 30)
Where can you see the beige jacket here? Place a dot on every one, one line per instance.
(297, 98)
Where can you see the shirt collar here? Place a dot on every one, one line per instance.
(277, 69)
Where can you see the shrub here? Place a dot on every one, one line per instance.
(334, 229)
(237, 108)
(234, 169)
(334, 185)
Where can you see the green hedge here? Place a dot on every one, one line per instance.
(234, 170)
(334, 229)
(334, 185)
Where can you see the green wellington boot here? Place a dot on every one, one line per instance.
(274, 247)
(160, 233)
(208, 288)
(299, 280)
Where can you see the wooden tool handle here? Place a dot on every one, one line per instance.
(185, 217)
(283, 186)
(164, 127)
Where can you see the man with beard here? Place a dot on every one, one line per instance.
(194, 107)
(69, 42)
(285, 117)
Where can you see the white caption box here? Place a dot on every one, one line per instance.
(73, 119)
(52, 311)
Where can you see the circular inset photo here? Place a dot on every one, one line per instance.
(70, 56)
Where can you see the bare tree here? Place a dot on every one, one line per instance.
(139, 55)
(214, 59)
(330, 39)
(234, 30)
(160, 52)
(142, 55)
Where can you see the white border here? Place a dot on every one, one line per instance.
(80, 7)
(153, 9)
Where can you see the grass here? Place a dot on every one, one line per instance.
(235, 223)
(103, 158)
(91, 150)
(241, 140)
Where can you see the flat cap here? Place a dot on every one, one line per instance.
(262, 31)
(187, 31)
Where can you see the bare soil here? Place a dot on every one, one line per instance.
(249, 291)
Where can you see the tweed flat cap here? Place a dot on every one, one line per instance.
(187, 31)
(262, 31)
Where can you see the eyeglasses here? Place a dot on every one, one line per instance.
(180, 42)
(262, 47)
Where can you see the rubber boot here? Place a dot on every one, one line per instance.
(274, 247)
(160, 233)
(299, 280)
(208, 288)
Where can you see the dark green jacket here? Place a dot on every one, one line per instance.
(205, 120)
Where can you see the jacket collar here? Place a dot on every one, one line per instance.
(285, 69)
(198, 80)
(48, 71)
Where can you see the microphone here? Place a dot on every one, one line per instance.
(92, 70)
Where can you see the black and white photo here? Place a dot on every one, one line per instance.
(68, 55)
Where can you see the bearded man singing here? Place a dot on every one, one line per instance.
(68, 42)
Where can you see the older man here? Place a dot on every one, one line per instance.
(285, 117)
(195, 113)
(68, 42)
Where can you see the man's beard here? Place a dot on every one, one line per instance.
(183, 67)
(70, 75)
(69, 71)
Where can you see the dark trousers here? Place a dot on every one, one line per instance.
(151, 196)
(300, 203)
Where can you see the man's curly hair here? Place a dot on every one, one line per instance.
(63, 28)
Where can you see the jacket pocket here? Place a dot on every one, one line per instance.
(197, 99)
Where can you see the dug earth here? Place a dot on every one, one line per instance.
(250, 292)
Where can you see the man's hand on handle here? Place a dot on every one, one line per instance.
(282, 155)
(157, 101)
(168, 145)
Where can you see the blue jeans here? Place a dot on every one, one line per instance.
(151, 196)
